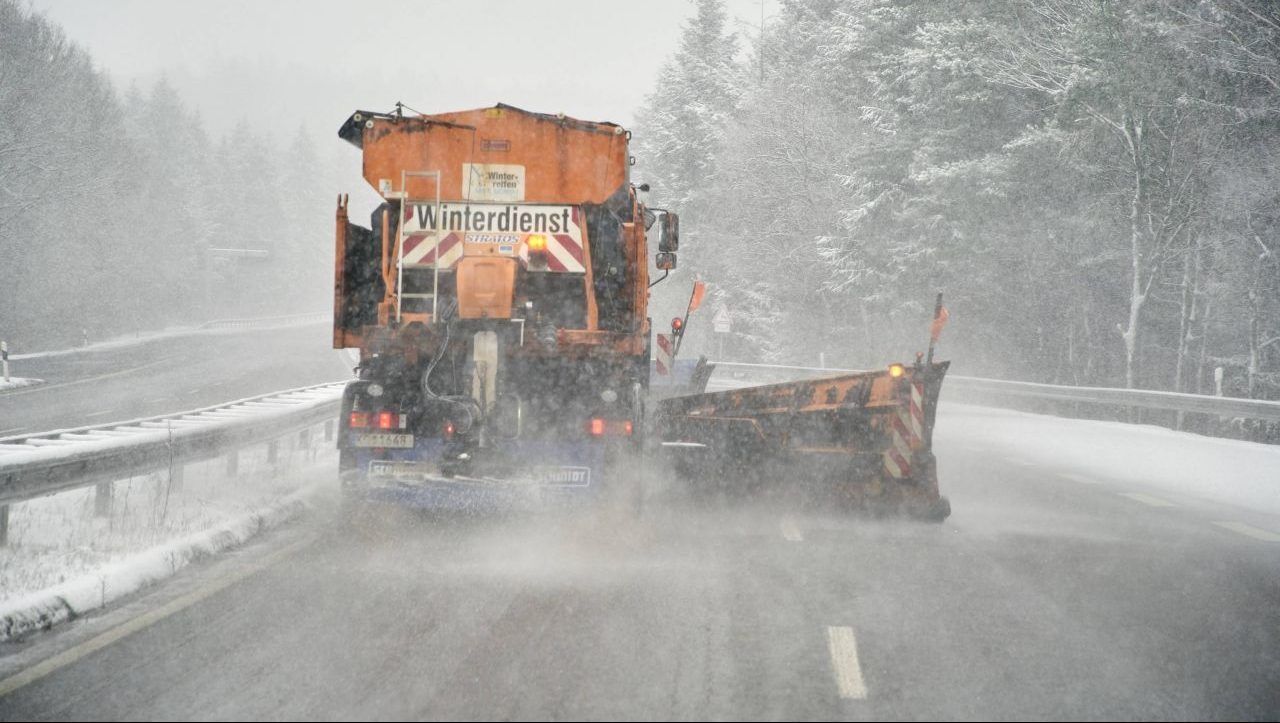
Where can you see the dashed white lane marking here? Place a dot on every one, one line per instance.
(844, 659)
(98, 414)
(790, 530)
(11, 429)
(1147, 499)
(1021, 462)
(70, 655)
(1078, 478)
(1247, 530)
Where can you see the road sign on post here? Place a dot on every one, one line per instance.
(722, 326)
(721, 321)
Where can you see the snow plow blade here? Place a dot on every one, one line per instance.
(861, 440)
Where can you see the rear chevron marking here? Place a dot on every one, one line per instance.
(906, 433)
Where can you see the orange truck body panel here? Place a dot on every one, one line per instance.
(575, 161)
(485, 287)
(487, 162)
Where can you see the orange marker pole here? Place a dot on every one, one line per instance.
(695, 300)
(940, 316)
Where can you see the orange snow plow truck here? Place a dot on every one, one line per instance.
(499, 300)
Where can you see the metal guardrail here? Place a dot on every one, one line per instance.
(35, 465)
(1139, 398)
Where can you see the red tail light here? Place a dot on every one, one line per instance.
(380, 420)
(598, 427)
(449, 429)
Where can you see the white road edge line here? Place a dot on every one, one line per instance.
(61, 660)
(844, 659)
(49, 387)
(1241, 528)
(790, 530)
(1149, 500)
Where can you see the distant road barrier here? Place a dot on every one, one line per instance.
(1134, 398)
(35, 465)
(269, 321)
(262, 322)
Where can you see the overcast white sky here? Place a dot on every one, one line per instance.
(286, 61)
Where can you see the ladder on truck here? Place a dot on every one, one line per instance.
(429, 300)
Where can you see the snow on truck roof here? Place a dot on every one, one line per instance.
(351, 129)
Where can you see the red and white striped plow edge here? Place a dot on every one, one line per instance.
(665, 356)
(906, 433)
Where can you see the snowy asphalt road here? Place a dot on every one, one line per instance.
(167, 375)
(1046, 595)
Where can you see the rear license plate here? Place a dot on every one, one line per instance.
(562, 476)
(368, 439)
(398, 468)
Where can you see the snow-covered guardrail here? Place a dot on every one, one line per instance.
(1134, 398)
(35, 465)
(1138, 398)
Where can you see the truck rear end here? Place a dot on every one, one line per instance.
(498, 298)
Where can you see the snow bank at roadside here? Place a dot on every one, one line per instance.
(18, 382)
(46, 608)
(1226, 471)
(66, 557)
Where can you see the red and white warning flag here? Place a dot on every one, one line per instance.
(695, 300)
